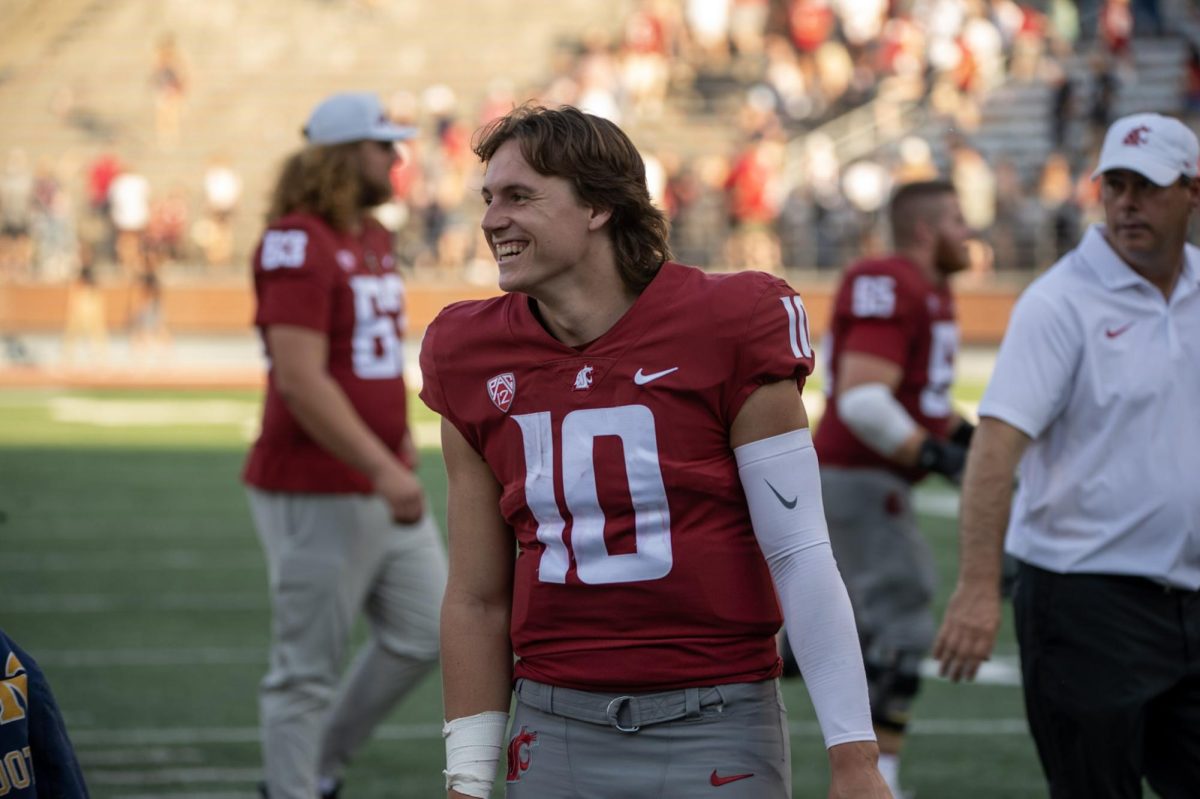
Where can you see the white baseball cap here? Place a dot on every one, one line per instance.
(352, 116)
(1159, 148)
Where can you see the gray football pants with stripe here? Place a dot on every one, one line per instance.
(884, 559)
(330, 557)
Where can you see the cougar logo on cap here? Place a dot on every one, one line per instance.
(1136, 137)
(1159, 148)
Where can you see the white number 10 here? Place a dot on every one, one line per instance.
(634, 425)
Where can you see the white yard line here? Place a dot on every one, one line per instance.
(126, 413)
(940, 503)
(142, 756)
(173, 795)
(107, 603)
(195, 736)
(1002, 670)
(106, 658)
(169, 776)
(164, 560)
(198, 736)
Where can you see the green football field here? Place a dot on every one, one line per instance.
(131, 571)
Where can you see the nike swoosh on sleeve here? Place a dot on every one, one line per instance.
(789, 504)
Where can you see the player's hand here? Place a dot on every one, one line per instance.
(944, 457)
(855, 773)
(401, 490)
(968, 631)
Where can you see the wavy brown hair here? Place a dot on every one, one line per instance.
(604, 168)
(324, 181)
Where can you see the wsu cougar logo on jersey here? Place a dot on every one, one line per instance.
(502, 389)
(520, 753)
(583, 380)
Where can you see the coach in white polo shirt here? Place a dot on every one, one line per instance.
(1096, 393)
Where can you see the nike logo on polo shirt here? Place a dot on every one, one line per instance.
(785, 503)
(641, 378)
(717, 780)
(1113, 332)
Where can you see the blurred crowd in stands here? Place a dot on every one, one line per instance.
(781, 79)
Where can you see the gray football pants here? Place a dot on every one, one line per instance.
(726, 741)
(330, 557)
(885, 561)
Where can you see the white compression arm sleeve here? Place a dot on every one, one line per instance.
(875, 416)
(473, 745)
(783, 491)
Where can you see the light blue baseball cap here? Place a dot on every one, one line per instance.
(352, 116)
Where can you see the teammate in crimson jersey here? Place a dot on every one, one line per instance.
(631, 430)
(336, 502)
(893, 342)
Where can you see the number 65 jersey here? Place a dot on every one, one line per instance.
(637, 568)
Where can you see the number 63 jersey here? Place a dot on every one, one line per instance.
(637, 568)
(346, 287)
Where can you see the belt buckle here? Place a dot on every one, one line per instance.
(614, 708)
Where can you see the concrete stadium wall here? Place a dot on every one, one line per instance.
(229, 307)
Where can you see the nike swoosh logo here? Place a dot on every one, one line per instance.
(642, 379)
(1114, 332)
(785, 503)
(717, 780)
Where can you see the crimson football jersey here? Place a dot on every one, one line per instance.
(345, 286)
(888, 309)
(637, 567)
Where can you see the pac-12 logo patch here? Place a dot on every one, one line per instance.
(502, 389)
(520, 753)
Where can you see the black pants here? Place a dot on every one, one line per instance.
(1111, 669)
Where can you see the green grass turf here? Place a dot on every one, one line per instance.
(131, 570)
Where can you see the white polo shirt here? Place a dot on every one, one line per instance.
(1104, 375)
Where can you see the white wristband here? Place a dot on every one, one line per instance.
(472, 751)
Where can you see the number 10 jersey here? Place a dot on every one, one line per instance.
(637, 568)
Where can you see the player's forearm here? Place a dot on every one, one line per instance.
(476, 656)
(909, 450)
(326, 413)
(821, 632)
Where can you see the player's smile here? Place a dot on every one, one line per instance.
(508, 250)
